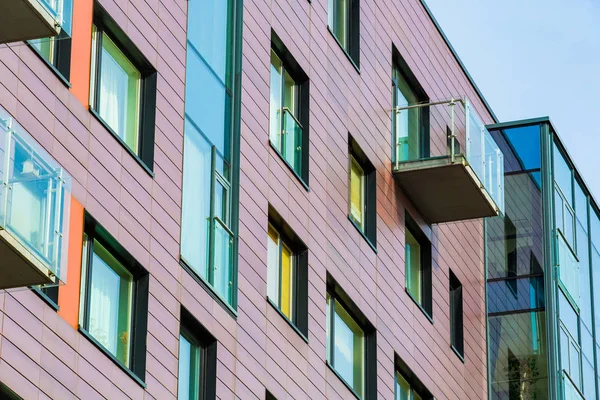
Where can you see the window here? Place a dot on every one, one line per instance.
(343, 21)
(7, 394)
(350, 343)
(456, 315)
(511, 248)
(287, 276)
(56, 51)
(269, 396)
(410, 126)
(418, 265)
(408, 386)
(211, 148)
(122, 88)
(197, 361)
(114, 299)
(361, 193)
(289, 109)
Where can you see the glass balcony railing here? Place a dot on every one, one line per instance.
(292, 141)
(34, 197)
(446, 133)
(570, 390)
(223, 260)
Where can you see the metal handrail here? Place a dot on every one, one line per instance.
(293, 116)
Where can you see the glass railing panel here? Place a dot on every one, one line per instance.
(570, 391)
(34, 196)
(484, 156)
(61, 11)
(223, 260)
(292, 141)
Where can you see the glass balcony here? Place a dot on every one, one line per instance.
(570, 390)
(292, 141)
(446, 161)
(33, 19)
(34, 210)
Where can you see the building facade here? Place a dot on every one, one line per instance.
(238, 200)
(543, 265)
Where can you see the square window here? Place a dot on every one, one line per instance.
(287, 276)
(343, 22)
(350, 343)
(122, 88)
(288, 132)
(417, 256)
(197, 360)
(456, 315)
(361, 193)
(114, 299)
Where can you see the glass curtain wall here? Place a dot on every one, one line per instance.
(209, 174)
(515, 262)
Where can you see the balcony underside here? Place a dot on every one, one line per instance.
(25, 20)
(18, 266)
(443, 191)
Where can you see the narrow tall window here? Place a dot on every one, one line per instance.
(210, 150)
(417, 256)
(281, 278)
(456, 315)
(114, 297)
(122, 88)
(362, 193)
(350, 343)
(196, 378)
(287, 273)
(357, 193)
(343, 21)
(288, 84)
(407, 121)
(346, 346)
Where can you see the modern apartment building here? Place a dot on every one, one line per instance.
(543, 263)
(253, 200)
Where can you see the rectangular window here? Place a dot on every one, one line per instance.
(289, 109)
(122, 88)
(361, 193)
(211, 148)
(407, 385)
(350, 343)
(287, 277)
(456, 315)
(197, 360)
(114, 299)
(56, 51)
(343, 22)
(357, 194)
(410, 126)
(417, 256)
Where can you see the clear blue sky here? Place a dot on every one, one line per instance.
(534, 58)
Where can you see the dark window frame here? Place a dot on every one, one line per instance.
(352, 51)
(510, 233)
(426, 304)
(147, 112)
(415, 383)
(336, 292)
(300, 254)
(400, 65)
(200, 337)
(370, 195)
(457, 340)
(139, 306)
(303, 86)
